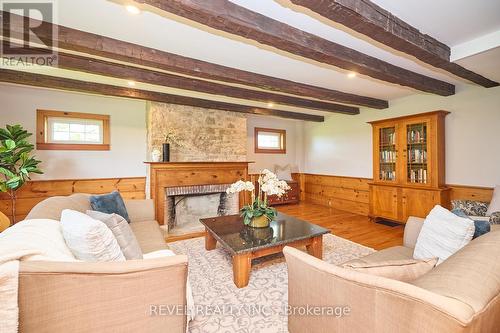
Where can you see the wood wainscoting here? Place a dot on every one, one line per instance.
(35, 191)
(343, 193)
(352, 194)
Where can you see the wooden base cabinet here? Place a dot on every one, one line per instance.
(408, 166)
(398, 203)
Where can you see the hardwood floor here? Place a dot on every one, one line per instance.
(357, 228)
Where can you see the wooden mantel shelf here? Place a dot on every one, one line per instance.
(196, 162)
(174, 174)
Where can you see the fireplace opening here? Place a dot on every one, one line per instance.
(186, 205)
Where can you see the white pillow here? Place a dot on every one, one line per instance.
(495, 202)
(123, 233)
(443, 234)
(283, 173)
(89, 239)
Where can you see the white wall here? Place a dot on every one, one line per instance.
(342, 145)
(128, 132)
(294, 144)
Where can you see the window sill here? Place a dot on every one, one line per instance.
(270, 151)
(66, 146)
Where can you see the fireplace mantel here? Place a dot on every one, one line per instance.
(172, 174)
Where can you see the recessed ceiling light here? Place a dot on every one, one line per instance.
(133, 9)
(270, 105)
(352, 75)
(131, 83)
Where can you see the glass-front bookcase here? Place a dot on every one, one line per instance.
(417, 171)
(388, 154)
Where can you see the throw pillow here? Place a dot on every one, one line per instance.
(481, 226)
(110, 204)
(122, 232)
(443, 234)
(89, 239)
(470, 207)
(402, 270)
(283, 173)
(495, 202)
(495, 218)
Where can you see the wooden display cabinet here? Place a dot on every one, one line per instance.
(408, 166)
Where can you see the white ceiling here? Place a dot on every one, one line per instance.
(452, 21)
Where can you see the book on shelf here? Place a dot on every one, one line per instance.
(416, 136)
(388, 138)
(387, 175)
(418, 176)
(388, 156)
(417, 156)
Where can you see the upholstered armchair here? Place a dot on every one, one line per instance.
(476, 209)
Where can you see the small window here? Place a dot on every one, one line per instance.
(270, 141)
(57, 130)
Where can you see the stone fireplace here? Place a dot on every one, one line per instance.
(186, 205)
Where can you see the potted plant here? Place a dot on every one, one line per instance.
(258, 213)
(16, 164)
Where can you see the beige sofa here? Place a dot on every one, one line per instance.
(460, 295)
(129, 296)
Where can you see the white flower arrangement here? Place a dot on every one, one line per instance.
(269, 184)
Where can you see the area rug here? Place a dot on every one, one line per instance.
(259, 307)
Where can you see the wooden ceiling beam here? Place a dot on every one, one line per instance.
(53, 82)
(130, 73)
(97, 45)
(369, 19)
(234, 19)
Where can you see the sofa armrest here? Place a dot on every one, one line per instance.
(412, 230)
(350, 301)
(140, 210)
(131, 296)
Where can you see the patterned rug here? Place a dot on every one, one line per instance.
(257, 308)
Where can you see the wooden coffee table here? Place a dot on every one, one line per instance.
(246, 243)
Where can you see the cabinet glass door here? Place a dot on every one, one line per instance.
(417, 153)
(387, 154)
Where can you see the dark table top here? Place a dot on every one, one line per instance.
(238, 238)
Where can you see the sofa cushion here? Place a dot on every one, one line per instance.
(392, 253)
(401, 270)
(443, 234)
(471, 275)
(111, 203)
(122, 232)
(149, 236)
(51, 208)
(89, 239)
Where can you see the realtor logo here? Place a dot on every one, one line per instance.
(28, 33)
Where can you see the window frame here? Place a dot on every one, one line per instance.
(42, 142)
(282, 133)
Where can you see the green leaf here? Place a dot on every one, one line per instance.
(13, 183)
(10, 144)
(6, 172)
